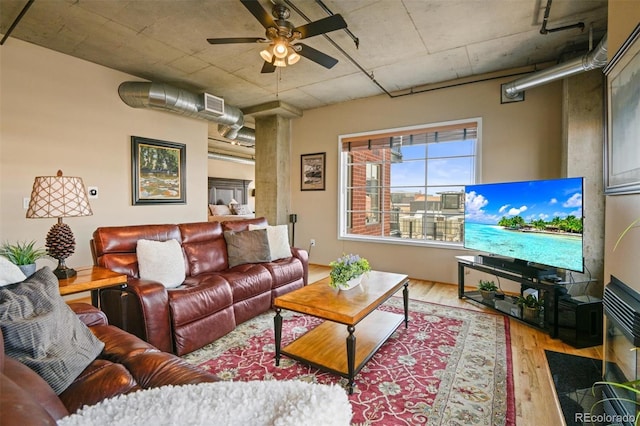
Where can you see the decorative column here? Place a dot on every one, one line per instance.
(273, 160)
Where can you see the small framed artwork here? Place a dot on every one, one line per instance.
(312, 172)
(622, 136)
(158, 171)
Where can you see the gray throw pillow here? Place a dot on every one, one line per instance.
(247, 247)
(42, 332)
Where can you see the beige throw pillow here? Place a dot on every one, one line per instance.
(219, 210)
(278, 237)
(161, 261)
(9, 272)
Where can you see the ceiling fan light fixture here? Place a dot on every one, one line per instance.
(280, 63)
(266, 55)
(293, 57)
(280, 50)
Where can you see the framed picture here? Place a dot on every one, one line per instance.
(158, 171)
(622, 136)
(312, 172)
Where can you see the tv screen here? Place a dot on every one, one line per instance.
(534, 221)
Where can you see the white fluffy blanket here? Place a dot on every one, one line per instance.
(273, 403)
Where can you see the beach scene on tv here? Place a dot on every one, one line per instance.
(536, 221)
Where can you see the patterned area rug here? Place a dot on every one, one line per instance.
(450, 367)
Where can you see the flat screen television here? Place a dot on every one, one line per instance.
(537, 222)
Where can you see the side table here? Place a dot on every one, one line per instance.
(91, 278)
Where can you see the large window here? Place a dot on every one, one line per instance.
(407, 185)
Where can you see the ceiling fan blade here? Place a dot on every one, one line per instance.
(316, 55)
(267, 67)
(232, 40)
(259, 12)
(321, 26)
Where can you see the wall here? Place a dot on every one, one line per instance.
(59, 112)
(520, 141)
(621, 210)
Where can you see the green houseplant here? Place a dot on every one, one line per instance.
(347, 267)
(24, 254)
(530, 306)
(487, 289)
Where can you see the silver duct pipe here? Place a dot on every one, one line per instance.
(596, 58)
(139, 94)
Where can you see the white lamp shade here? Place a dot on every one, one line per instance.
(58, 196)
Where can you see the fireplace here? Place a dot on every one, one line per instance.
(621, 364)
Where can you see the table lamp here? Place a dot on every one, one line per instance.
(59, 196)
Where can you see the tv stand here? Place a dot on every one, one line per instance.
(526, 269)
(548, 288)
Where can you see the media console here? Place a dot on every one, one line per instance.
(549, 289)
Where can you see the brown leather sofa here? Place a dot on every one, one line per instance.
(126, 364)
(213, 298)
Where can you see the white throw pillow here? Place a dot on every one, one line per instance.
(161, 261)
(9, 272)
(278, 237)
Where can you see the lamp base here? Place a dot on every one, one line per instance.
(62, 272)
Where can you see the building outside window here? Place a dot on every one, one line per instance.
(407, 185)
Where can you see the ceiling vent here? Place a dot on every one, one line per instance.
(213, 104)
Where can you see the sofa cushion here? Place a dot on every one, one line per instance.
(161, 261)
(9, 272)
(247, 247)
(33, 311)
(278, 237)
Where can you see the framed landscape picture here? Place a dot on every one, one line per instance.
(312, 173)
(158, 171)
(622, 136)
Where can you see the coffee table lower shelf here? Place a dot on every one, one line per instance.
(326, 347)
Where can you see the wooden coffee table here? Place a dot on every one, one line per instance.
(324, 346)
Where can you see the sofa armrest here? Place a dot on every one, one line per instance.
(151, 308)
(303, 255)
(89, 314)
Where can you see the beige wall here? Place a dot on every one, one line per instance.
(621, 210)
(59, 112)
(519, 141)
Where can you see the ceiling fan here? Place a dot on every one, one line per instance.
(280, 34)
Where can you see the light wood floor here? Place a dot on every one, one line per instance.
(536, 403)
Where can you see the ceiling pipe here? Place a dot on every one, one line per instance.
(596, 58)
(140, 94)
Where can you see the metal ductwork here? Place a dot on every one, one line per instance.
(138, 94)
(596, 58)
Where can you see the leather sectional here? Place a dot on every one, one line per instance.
(213, 299)
(126, 364)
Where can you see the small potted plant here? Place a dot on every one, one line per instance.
(487, 289)
(24, 254)
(346, 272)
(530, 306)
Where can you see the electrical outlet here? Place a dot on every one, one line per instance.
(313, 242)
(25, 203)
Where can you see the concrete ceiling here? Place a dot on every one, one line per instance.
(404, 44)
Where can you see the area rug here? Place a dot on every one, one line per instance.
(450, 367)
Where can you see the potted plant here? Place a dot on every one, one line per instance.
(530, 306)
(346, 272)
(487, 289)
(24, 254)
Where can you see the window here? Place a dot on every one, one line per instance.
(372, 200)
(407, 185)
